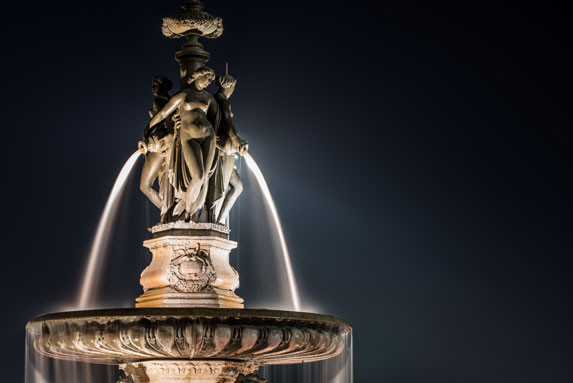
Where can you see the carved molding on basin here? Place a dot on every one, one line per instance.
(135, 335)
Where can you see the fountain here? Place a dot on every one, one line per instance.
(189, 325)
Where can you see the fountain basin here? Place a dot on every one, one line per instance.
(123, 336)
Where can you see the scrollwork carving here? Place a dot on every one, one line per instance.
(192, 20)
(191, 271)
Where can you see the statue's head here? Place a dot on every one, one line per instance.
(226, 85)
(160, 85)
(202, 77)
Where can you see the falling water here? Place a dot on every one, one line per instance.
(43, 369)
(93, 268)
(252, 165)
(339, 369)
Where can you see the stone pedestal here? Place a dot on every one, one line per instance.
(183, 371)
(189, 269)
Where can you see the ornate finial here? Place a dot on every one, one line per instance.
(192, 21)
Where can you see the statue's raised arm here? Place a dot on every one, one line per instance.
(167, 110)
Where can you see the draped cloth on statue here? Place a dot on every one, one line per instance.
(224, 163)
(180, 175)
(222, 174)
(170, 177)
(216, 183)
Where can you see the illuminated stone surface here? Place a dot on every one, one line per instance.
(189, 271)
(166, 371)
(122, 336)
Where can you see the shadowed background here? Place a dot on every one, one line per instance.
(419, 155)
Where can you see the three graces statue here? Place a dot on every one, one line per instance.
(191, 145)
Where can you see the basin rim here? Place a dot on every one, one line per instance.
(195, 312)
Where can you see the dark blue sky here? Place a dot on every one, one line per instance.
(419, 154)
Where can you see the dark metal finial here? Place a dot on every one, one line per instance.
(193, 5)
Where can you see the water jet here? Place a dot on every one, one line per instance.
(270, 204)
(101, 237)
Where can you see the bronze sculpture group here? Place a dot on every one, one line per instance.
(191, 145)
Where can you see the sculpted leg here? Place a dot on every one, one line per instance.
(149, 173)
(192, 153)
(231, 197)
(209, 149)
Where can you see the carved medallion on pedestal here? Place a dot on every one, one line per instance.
(191, 272)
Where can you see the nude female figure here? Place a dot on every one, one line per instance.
(194, 142)
(156, 141)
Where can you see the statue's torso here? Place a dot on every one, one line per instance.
(193, 113)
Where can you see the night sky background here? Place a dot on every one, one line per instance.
(419, 154)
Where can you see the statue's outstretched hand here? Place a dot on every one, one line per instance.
(243, 147)
(142, 147)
